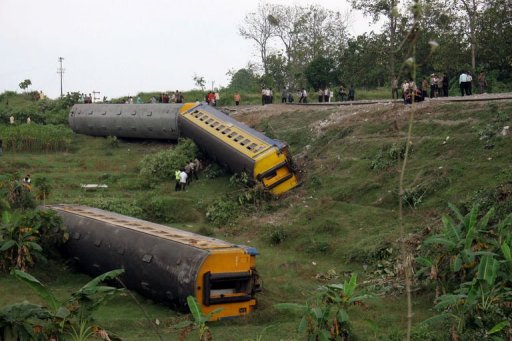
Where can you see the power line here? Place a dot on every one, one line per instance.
(61, 71)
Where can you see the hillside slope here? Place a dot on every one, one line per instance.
(342, 220)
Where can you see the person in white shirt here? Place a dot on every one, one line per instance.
(463, 78)
(183, 179)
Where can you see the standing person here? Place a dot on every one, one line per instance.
(433, 85)
(183, 179)
(193, 170)
(394, 88)
(270, 96)
(327, 94)
(304, 95)
(290, 97)
(11, 119)
(29, 120)
(178, 178)
(351, 93)
(236, 97)
(463, 78)
(263, 96)
(446, 83)
(440, 85)
(482, 83)
(284, 95)
(469, 84)
(341, 93)
(320, 95)
(217, 98)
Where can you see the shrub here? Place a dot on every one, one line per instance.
(162, 165)
(275, 235)
(223, 212)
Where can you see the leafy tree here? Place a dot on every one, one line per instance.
(25, 84)
(320, 73)
(388, 9)
(244, 80)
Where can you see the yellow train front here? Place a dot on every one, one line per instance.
(163, 263)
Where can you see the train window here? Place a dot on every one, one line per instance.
(251, 146)
(244, 142)
(227, 131)
(214, 124)
(232, 135)
(220, 127)
(226, 287)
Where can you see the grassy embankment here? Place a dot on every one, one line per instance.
(344, 217)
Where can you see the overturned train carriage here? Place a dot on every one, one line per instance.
(225, 140)
(163, 263)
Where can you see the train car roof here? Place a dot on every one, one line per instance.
(158, 230)
(223, 117)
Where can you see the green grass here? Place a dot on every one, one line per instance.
(342, 217)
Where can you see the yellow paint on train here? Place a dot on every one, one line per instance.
(226, 261)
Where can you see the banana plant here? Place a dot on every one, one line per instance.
(78, 308)
(199, 320)
(457, 247)
(19, 245)
(325, 317)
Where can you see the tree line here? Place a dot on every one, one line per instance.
(311, 47)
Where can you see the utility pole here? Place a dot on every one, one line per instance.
(61, 71)
(94, 93)
(213, 83)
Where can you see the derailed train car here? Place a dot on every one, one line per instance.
(225, 140)
(163, 263)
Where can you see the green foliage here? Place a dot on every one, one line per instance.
(325, 316)
(244, 80)
(25, 84)
(43, 187)
(29, 238)
(213, 171)
(165, 210)
(68, 316)
(319, 73)
(34, 137)
(122, 206)
(276, 235)
(471, 262)
(112, 142)
(16, 321)
(223, 212)
(19, 195)
(198, 320)
(162, 165)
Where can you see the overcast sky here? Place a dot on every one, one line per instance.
(120, 47)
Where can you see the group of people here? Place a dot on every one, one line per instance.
(185, 174)
(213, 97)
(410, 92)
(325, 95)
(439, 84)
(267, 96)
